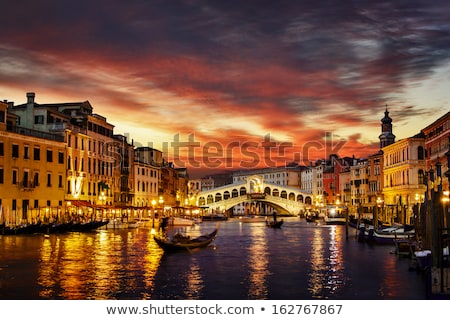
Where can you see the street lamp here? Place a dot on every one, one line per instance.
(380, 207)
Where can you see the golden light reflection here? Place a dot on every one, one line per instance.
(152, 260)
(194, 281)
(336, 278)
(327, 266)
(258, 264)
(317, 263)
(97, 265)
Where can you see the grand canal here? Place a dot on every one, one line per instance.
(246, 261)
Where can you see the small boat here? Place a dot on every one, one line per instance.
(181, 242)
(88, 226)
(312, 217)
(386, 235)
(274, 224)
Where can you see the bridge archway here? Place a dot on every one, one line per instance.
(254, 190)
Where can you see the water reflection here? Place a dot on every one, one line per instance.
(258, 264)
(194, 281)
(247, 262)
(100, 265)
(327, 263)
(317, 261)
(336, 278)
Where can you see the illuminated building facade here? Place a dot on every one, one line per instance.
(147, 176)
(403, 170)
(437, 144)
(32, 171)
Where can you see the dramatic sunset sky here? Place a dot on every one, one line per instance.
(238, 81)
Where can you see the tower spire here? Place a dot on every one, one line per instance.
(386, 137)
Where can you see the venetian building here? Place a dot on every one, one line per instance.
(359, 185)
(437, 144)
(404, 170)
(88, 136)
(147, 177)
(123, 169)
(32, 171)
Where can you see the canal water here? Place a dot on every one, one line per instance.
(246, 261)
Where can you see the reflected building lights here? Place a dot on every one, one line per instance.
(327, 264)
(194, 281)
(258, 264)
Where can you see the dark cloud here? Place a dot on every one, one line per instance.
(271, 62)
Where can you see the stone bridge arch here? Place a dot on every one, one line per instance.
(286, 199)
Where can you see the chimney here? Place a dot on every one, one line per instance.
(30, 97)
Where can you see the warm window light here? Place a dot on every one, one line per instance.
(446, 198)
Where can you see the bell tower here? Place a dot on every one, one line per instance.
(386, 137)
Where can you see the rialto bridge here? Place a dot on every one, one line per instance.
(254, 193)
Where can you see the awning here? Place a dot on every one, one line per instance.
(81, 203)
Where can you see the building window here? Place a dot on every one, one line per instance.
(49, 179)
(39, 119)
(420, 153)
(61, 157)
(2, 150)
(2, 116)
(36, 179)
(26, 152)
(37, 153)
(15, 151)
(14, 176)
(1, 175)
(49, 156)
(36, 203)
(60, 181)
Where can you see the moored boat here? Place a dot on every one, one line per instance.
(386, 235)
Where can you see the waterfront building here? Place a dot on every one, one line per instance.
(376, 184)
(174, 186)
(345, 196)
(98, 165)
(359, 186)
(124, 169)
(147, 178)
(437, 144)
(89, 146)
(404, 168)
(32, 171)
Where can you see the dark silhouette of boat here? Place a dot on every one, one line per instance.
(88, 226)
(274, 224)
(185, 243)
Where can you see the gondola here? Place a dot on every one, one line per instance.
(274, 224)
(185, 243)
